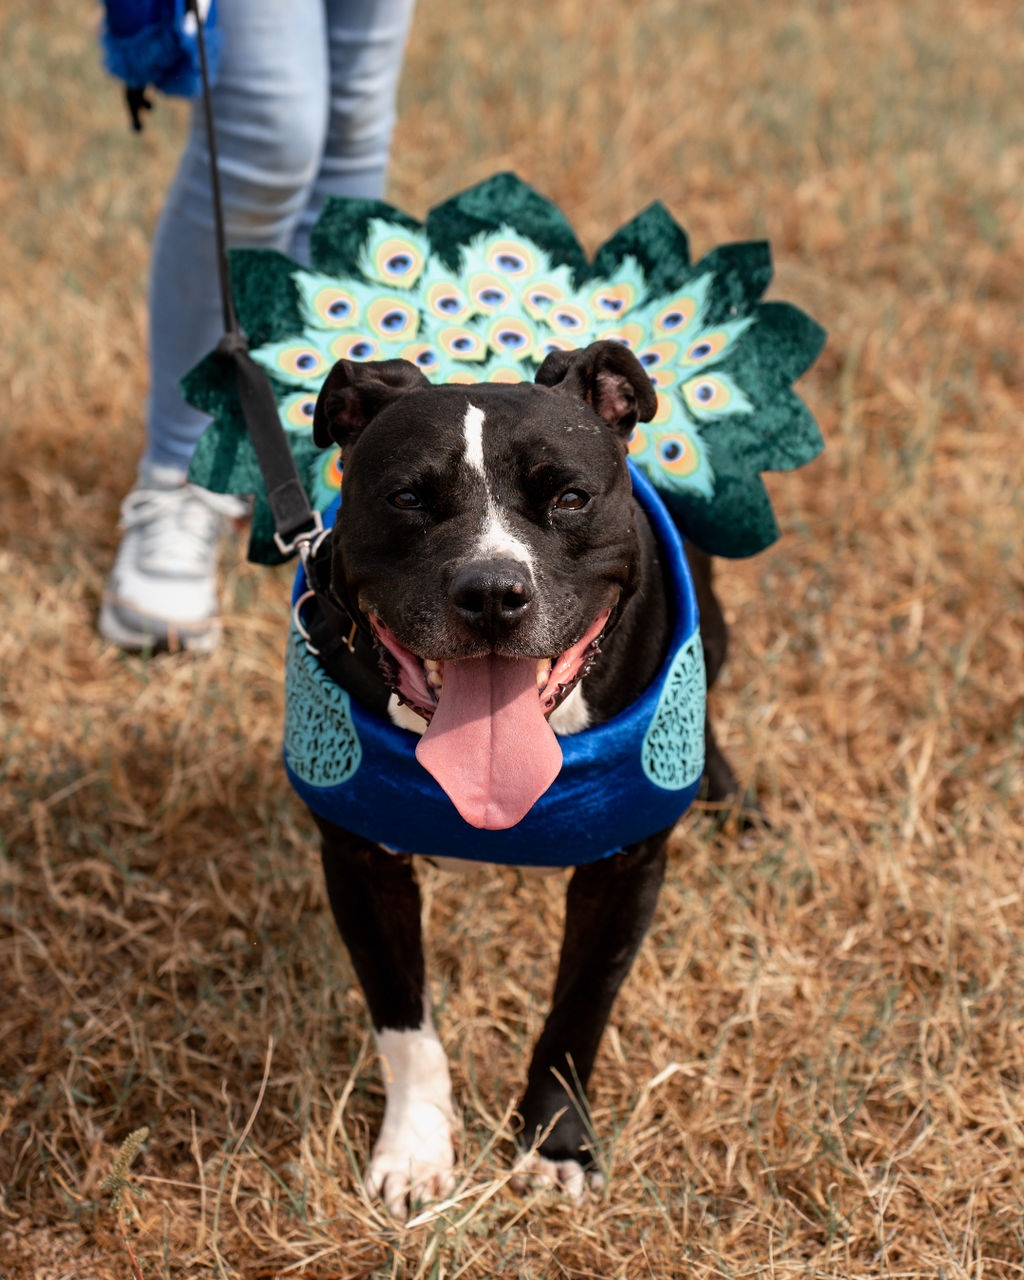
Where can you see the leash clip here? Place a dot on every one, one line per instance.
(303, 541)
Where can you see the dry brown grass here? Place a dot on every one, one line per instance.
(817, 1068)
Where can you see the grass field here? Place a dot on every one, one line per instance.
(817, 1066)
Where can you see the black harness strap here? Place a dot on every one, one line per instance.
(344, 647)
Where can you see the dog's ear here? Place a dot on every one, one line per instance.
(609, 377)
(356, 392)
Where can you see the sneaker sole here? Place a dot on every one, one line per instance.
(161, 637)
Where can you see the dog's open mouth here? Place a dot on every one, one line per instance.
(488, 743)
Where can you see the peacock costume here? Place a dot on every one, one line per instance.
(484, 289)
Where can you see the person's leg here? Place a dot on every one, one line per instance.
(304, 107)
(366, 45)
(270, 106)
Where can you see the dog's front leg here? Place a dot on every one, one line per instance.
(609, 908)
(375, 899)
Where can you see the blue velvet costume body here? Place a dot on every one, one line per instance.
(620, 781)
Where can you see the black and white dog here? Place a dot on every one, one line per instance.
(487, 539)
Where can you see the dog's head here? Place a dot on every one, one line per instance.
(487, 533)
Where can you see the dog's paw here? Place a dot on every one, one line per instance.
(413, 1160)
(534, 1172)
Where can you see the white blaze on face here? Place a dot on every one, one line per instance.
(474, 429)
(496, 541)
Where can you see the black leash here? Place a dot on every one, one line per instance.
(295, 521)
(339, 639)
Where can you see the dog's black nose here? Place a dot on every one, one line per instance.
(492, 596)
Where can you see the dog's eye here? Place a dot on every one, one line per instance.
(572, 500)
(405, 500)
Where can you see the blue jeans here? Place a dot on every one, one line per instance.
(304, 107)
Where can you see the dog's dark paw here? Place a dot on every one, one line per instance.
(562, 1156)
(722, 797)
(718, 786)
(535, 1172)
(739, 813)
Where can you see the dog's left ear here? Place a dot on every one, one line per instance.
(609, 377)
(355, 392)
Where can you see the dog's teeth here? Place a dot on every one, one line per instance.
(543, 671)
(433, 670)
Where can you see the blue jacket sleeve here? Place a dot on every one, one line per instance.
(153, 42)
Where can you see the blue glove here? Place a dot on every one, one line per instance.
(153, 42)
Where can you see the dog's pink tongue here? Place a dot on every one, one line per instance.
(488, 744)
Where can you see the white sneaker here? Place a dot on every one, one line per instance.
(162, 590)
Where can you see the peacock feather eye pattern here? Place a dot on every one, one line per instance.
(444, 299)
(393, 319)
(506, 254)
(513, 257)
(570, 319)
(489, 285)
(512, 336)
(614, 299)
(423, 355)
(712, 345)
(488, 292)
(353, 346)
(675, 317)
(713, 394)
(539, 296)
(677, 455)
(295, 361)
(296, 411)
(460, 342)
(392, 256)
(325, 478)
(658, 359)
(326, 303)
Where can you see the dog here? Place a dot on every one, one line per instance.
(493, 585)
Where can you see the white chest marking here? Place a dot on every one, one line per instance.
(572, 715)
(405, 717)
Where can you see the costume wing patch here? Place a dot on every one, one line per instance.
(484, 290)
(321, 744)
(673, 749)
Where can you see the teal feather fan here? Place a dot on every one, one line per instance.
(482, 291)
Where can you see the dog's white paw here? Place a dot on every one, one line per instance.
(413, 1160)
(533, 1172)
